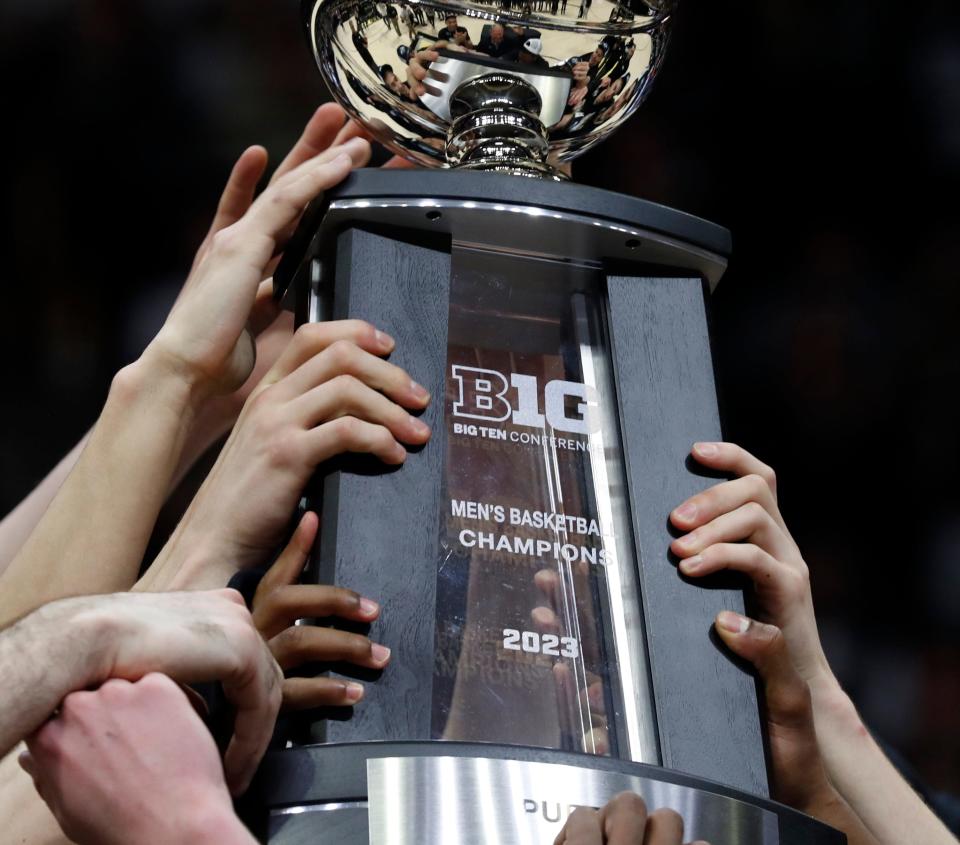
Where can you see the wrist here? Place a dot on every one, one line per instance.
(159, 372)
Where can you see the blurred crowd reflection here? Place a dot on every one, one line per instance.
(828, 140)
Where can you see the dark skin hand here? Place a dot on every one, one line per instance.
(280, 601)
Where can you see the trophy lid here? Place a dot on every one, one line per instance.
(509, 85)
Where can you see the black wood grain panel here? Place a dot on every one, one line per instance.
(381, 529)
(706, 705)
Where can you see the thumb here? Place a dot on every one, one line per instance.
(289, 564)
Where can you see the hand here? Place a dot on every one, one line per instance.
(418, 71)
(279, 602)
(737, 525)
(623, 821)
(205, 338)
(798, 776)
(132, 763)
(327, 394)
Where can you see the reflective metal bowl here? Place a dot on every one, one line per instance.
(518, 85)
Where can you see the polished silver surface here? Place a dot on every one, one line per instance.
(330, 807)
(396, 66)
(477, 801)
(544, 232)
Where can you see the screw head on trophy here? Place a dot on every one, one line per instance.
(514, 86)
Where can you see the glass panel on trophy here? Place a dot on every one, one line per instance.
(538, 635)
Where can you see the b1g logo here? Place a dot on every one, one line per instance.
(482, 395)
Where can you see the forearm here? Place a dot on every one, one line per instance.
(17, 525)
(866, 778)
(45, 656)
(92, 537)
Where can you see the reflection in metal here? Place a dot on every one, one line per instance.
(394, 66)
(476, 801)
(320, 808)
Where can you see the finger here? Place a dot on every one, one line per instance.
(301, 644)
(346, 395)
(345, 358)
(29, 765)
(582, 828)
(787, 695)
(749, 522)
(307, 693)
(664, 827)
(265, 309)
(283, 606)
(276, 210)
(351, 129)
(740, 557)
(319, 134)
(348, 434)
(256, 697)
(729, 457)
(723, 498)
(548, 582)
(311, 339)
(624, 819)
(237, 195)
(288, 566)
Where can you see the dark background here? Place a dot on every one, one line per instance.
(826, 136)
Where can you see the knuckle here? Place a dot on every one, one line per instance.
(341, 354)
(281, 450)
(290, 640)
(768, 476)
(756, 513)
(227, 240)
(233, 596)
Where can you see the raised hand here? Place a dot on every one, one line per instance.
(330, 392)
(737, 525)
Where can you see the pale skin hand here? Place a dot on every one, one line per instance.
(623, 821)
(94, 533)
(798, 776)
(328, 393)
(280, 601)
(326, 128)
(737, 525)
(196, 636)
(132, 763)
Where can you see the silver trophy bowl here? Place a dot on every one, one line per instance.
(517, 86)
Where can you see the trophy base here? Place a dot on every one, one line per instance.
(452, 793)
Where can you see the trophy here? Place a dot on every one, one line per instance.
(546, 652)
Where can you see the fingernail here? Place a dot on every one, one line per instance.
(691, 564)
(419, 391)
(384, 341)
(708, 450)
(380, 653)
(342, 159)
(419, 427)
(733, 622)
(368, 607)
(687, 540)
(686, 511)
(354, 692)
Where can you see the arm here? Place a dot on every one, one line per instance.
(325, 129)
(204, 350)
(189, 636)
(797, 770)
(737, 525)
(133, 764)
